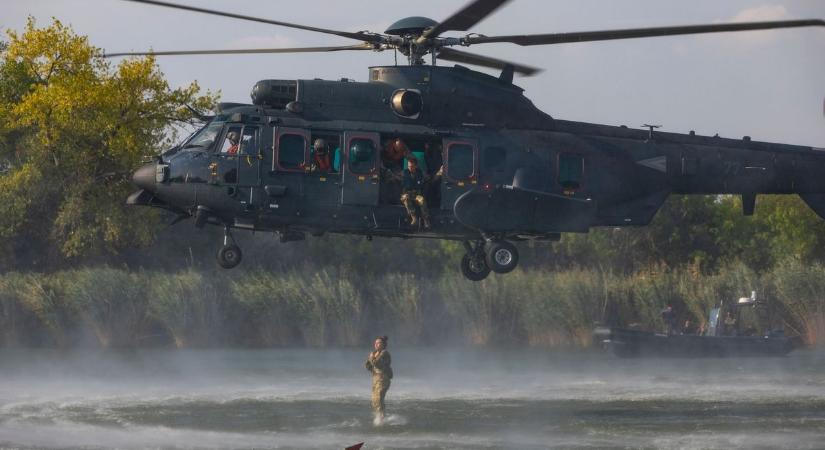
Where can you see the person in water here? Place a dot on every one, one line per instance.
(378, 364)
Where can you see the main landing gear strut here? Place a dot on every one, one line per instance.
(484, 256)
(230, 254)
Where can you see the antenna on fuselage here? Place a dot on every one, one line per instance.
(651, 128)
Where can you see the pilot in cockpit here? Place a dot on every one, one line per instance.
(230, 145)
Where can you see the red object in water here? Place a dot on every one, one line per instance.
(355, 447)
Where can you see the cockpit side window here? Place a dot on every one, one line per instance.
(204, 139)
(249, 141)
(231, 141)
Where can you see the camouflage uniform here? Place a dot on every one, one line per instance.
(412, 185)
(378, 364)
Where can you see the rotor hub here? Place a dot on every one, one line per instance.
(410, 26)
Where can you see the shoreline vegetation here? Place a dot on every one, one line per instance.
(338, 307)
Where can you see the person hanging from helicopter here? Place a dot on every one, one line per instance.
(320, 157)
(413, 183)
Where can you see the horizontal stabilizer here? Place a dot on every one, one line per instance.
(638, 211)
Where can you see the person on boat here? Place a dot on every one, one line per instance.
(730, 325)
(669, 318)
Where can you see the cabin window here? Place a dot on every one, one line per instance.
(571, 170)
(362, 154)
(494, 158)
(460, 161)
(292, 151)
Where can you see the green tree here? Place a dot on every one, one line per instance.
(72, 128)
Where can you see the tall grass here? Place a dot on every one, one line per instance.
(189, 305)
(801, 290)
(109, 307)
(31, 313)
(315, 309)
(112, 304)
(400, 305)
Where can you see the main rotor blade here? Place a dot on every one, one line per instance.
(607, 35)
(361, 36)
(484, 61)
(246, 51)
(473, 13)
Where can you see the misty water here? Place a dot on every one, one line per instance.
(455, 398)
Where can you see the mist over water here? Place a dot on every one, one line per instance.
(447, 398)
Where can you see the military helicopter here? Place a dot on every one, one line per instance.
(499, 169)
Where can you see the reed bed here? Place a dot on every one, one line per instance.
(113, 308)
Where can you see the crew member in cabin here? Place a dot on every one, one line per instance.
(320, 157)
(394, 153)
(412, 194)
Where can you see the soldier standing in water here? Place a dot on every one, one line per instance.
(378, 363)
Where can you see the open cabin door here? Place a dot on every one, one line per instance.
(361, 184)
(460, 169)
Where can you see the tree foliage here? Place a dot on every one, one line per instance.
(72, 128)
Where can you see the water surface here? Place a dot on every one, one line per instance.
(456, 398)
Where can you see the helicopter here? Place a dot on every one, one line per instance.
(498, 170)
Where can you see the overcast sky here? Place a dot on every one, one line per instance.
(766, 84)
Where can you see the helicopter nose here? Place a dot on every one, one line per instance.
(144, 177)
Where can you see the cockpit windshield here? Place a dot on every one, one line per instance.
(204, 138)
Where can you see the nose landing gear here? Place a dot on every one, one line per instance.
(482, 257)
(230, 254)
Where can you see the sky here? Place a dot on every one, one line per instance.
(769, 85)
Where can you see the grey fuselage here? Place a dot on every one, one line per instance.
(510, 170)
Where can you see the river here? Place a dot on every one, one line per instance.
(451, 398)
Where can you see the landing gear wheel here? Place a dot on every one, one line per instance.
(229, 256)
(502, 256)
(474, 267)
